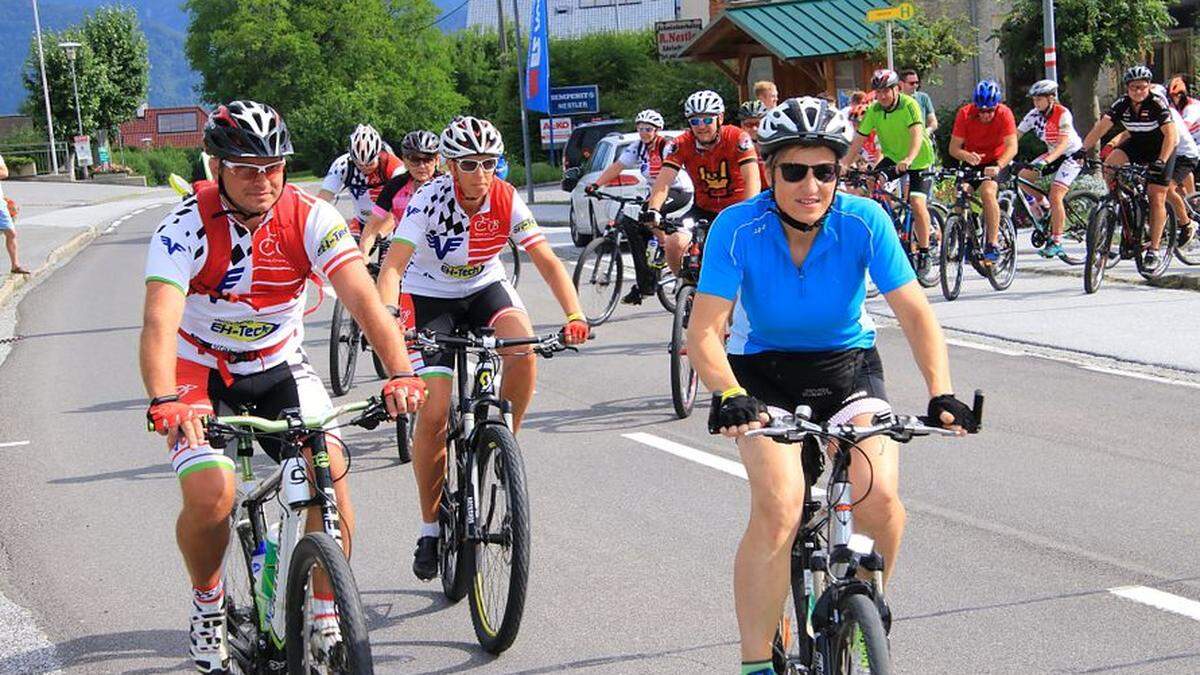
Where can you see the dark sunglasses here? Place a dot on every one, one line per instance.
(473, 165)
(794, 173)
(697, 121)
(420, 159)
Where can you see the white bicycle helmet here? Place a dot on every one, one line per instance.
(471, 136)
(703, 102)
(1044, 88)
(804, 121)
(246, 129)
(650, 117)
(365, 144)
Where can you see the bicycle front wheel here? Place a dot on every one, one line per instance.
(953, 249)
(928, 277)
(683, 377)
(308, 650)
(860, 644)
(345, 340)
(502, 553)
(241, 610)
(1003, 271)
(598, 279)
(1079, 208)
(1099, 246)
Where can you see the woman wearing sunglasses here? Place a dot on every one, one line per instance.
(419, 152)
(794, 262)
(452, 233)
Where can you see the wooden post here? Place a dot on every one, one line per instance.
(831, 77)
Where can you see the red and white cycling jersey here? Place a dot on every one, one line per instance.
(1191, 117)
(456, 255)
(263, 288)
(344, 175)
(1052, 127)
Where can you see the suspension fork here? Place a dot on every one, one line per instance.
(324, 484)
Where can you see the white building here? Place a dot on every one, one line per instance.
(574, 18)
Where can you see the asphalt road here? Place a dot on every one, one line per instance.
(1083, 482)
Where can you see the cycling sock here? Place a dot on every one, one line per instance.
(324, 607)
(430, 530)
(209, 599)
(757, 668)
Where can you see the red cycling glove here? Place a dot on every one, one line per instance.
(166, 412)
(576, 331)
(408, 390)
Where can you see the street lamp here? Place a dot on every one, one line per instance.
(72, 49)
(37, 24)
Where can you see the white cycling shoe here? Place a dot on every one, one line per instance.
(208, 648)
(325, 639)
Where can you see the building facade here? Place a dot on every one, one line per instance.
(575, 18)
(180, 127)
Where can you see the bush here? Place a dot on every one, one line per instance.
(543, 172)
(156, 164)
(18, 161)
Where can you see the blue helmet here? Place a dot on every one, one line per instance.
(502, 168)
(987, 94)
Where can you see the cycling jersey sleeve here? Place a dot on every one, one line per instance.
(745, 147)
(383, 204)
(867, 124)
(1006, 120)
(524, 232)
(336, 177)
(721, 275)
(1115, 110)
(1029, 122)
(629, 156)
(679, 151)
(887, 263)
(170, 258)
(327, 240)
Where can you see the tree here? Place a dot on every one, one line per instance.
(1089, 34)
(90, 74)
(120, 50)
(923, 43)
(326, 65)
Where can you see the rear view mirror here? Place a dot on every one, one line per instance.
(571, 178)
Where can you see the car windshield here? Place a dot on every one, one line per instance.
(602, 157)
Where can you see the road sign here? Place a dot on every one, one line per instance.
(901, 12)
(580, 100)
(562, 131)
(673, 35)
(105, 157)
(83, 150)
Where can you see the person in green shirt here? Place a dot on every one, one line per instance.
(899, 126)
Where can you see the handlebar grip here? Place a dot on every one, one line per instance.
(402, 450)
(977, 408)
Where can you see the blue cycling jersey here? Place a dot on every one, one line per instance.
(816, 307)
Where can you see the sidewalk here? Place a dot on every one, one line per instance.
(58, 219)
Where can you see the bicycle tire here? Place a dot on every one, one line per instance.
(1188, 252)
(1099, 246)
(404, 433)
(1001, 273)
(512, 265)
(953, 249)
(667, 291)
(1166, 248)
(241, 606)
(602, 270)
(344, 343)
(454, 559)
(932, 276)
(1079, 208)
(684, 382)
(318, 549)
(380, 371)
(858, 611)
(504, 551)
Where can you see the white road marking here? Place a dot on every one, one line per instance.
(1167, 602)
(708, 459)
(1142, 376)
(13, 444)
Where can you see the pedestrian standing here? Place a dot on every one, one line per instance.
(7, 226)
(910, 83)
(767, 92)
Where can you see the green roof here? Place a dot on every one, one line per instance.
(803, 29)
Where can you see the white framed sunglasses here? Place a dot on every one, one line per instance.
(473, 165)
(251, 171)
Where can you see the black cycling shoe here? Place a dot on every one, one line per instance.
(633, 297)
(425, 558)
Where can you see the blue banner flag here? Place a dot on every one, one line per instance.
(537, 65)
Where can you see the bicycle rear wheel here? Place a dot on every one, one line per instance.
(502, 554)
(318, 551)
(1003, 271)
(1079, 208)
(683, 378)
(345, 341)
(1165, 250)
(1187, 249)
(666, 288)
(932, 273)
(1099, 246)
(866, 654)
(952, 251)
(598, 279)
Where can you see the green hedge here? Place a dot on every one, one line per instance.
(18, 161)
(543, 172)
(158, 163)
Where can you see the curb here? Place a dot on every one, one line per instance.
(1178, 282)
(14, 283)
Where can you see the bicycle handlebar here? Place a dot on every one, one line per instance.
(546, 345)
(901, 428)
(600, 194)
(235, 425)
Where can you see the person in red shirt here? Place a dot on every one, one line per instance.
(721, 161)
(985, 135)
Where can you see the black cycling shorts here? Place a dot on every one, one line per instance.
(476, 311)
(837, 385)
(1001, 176)
(1183, 167)
(1143, 149)
(920, 181)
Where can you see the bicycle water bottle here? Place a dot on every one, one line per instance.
(295, 482)
(651, 251)
(264, 576)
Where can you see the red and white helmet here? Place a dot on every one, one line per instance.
(365, 144)
(468, 135)
(246, 129)
(884, 78)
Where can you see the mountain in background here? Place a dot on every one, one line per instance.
(172, 81)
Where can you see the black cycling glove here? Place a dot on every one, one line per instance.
(962, 413)
(1157, 170)
(733, 411)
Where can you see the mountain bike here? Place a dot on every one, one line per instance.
(885, 189)
(484, 511)
(1187, 244)
(684, 382)
(840, 622)
(600, 270)
(963, 237)
(270, 571)
(1078, 206)
(1119, 228)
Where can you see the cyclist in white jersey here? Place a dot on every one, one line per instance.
(1055, 126)
(447, 247)
(362, 172)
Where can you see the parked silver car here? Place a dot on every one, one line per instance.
(588, 215)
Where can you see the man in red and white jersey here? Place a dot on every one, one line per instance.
(362, 171)
(225, 293)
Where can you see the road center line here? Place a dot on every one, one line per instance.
(1168, 602)
(13, 444)
(708, 459)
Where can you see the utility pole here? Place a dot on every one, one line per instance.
(37, 24)
(500, 26)
(1048, 31)
(521, 100)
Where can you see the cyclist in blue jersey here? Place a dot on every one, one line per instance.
(790, 266)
